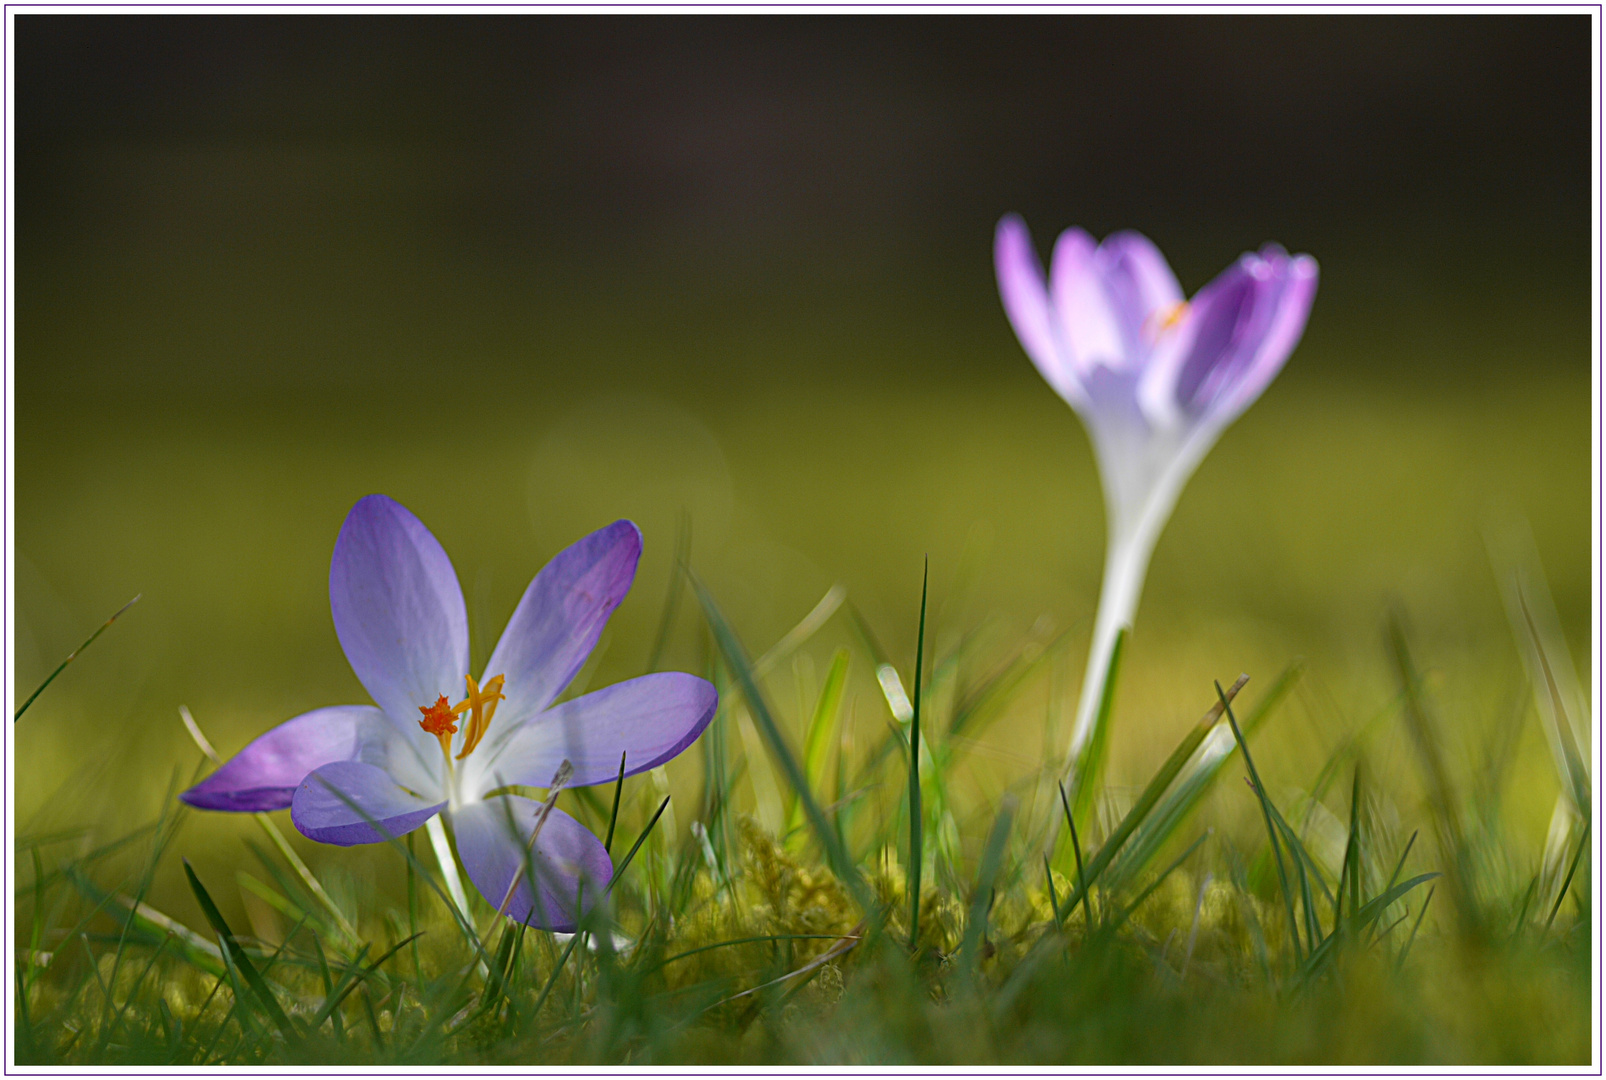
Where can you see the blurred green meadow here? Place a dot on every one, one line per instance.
(223, 343)
(1329, 505)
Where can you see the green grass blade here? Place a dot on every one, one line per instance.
(1369, 913)
(1159, 880)
(1089, 769)
(1081, 873)
(981, 901)
(823, 726)
(71, 657)
(1194, 782)
(1567, 884)
(613, 815)
(1558, 695)
(916, 811)
(1406, 951)
(1271, 829)
(1423, 728)
(736, 656)
(795, 637)
(986, 703)
(1157, 785)
(235, 956)
(1053, 897)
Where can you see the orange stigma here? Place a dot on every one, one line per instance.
(440, 721)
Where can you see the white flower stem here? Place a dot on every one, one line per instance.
(1126, 562)
(1125, 565)
(443, 855)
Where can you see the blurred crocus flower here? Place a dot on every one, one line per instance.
(1155, 378)
(400, 618)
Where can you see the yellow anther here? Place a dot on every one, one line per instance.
(481, 707)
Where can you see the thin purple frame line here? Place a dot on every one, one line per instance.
(1600, 498)
(5, 429)
(4, 400)
(975, 5)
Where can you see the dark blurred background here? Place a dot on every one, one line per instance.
(272, 204)
(530, 274)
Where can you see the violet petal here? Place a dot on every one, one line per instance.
(1026, 303)
(1082, 306)
(558, 621)
(321, 814)
(492, 839)
(398, 610)
(1244, 325)
(1142, 289)
(1284, 327)
(649, 719)
(265, 775)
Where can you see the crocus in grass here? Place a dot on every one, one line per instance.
(1154, 377)
(437, 741)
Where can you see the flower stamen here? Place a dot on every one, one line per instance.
(481, 707)
(1163, 320)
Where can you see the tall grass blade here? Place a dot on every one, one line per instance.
(1567, 883)
(1081, 874)
(736, 656)
(1088, 769)
(916, 811)
(1369, 913)
(800, 633)
(823, 726)
(1195, 781)
(235, 956)
(613, 815)
(1446, 806)
(1558, 694)
(71, 657)
(1404, 952)
(1158, 784)
(1271, 829)
(981, 901)
(1137, 901)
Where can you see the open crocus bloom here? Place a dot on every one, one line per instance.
(400, 618)
(1154, 377)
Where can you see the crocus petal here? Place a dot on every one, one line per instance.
(648, 719)
(1142, 289)
(1243, 326)
(493, 840)
(558, 621)
(1026, 303)
(265, 775)
(398, 610)
(343, 802)
(1284, 327)
(1086, 317)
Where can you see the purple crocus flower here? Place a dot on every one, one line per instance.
(1155, 379)
(400, 618)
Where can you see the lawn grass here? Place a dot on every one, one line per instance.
(1215, 916)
